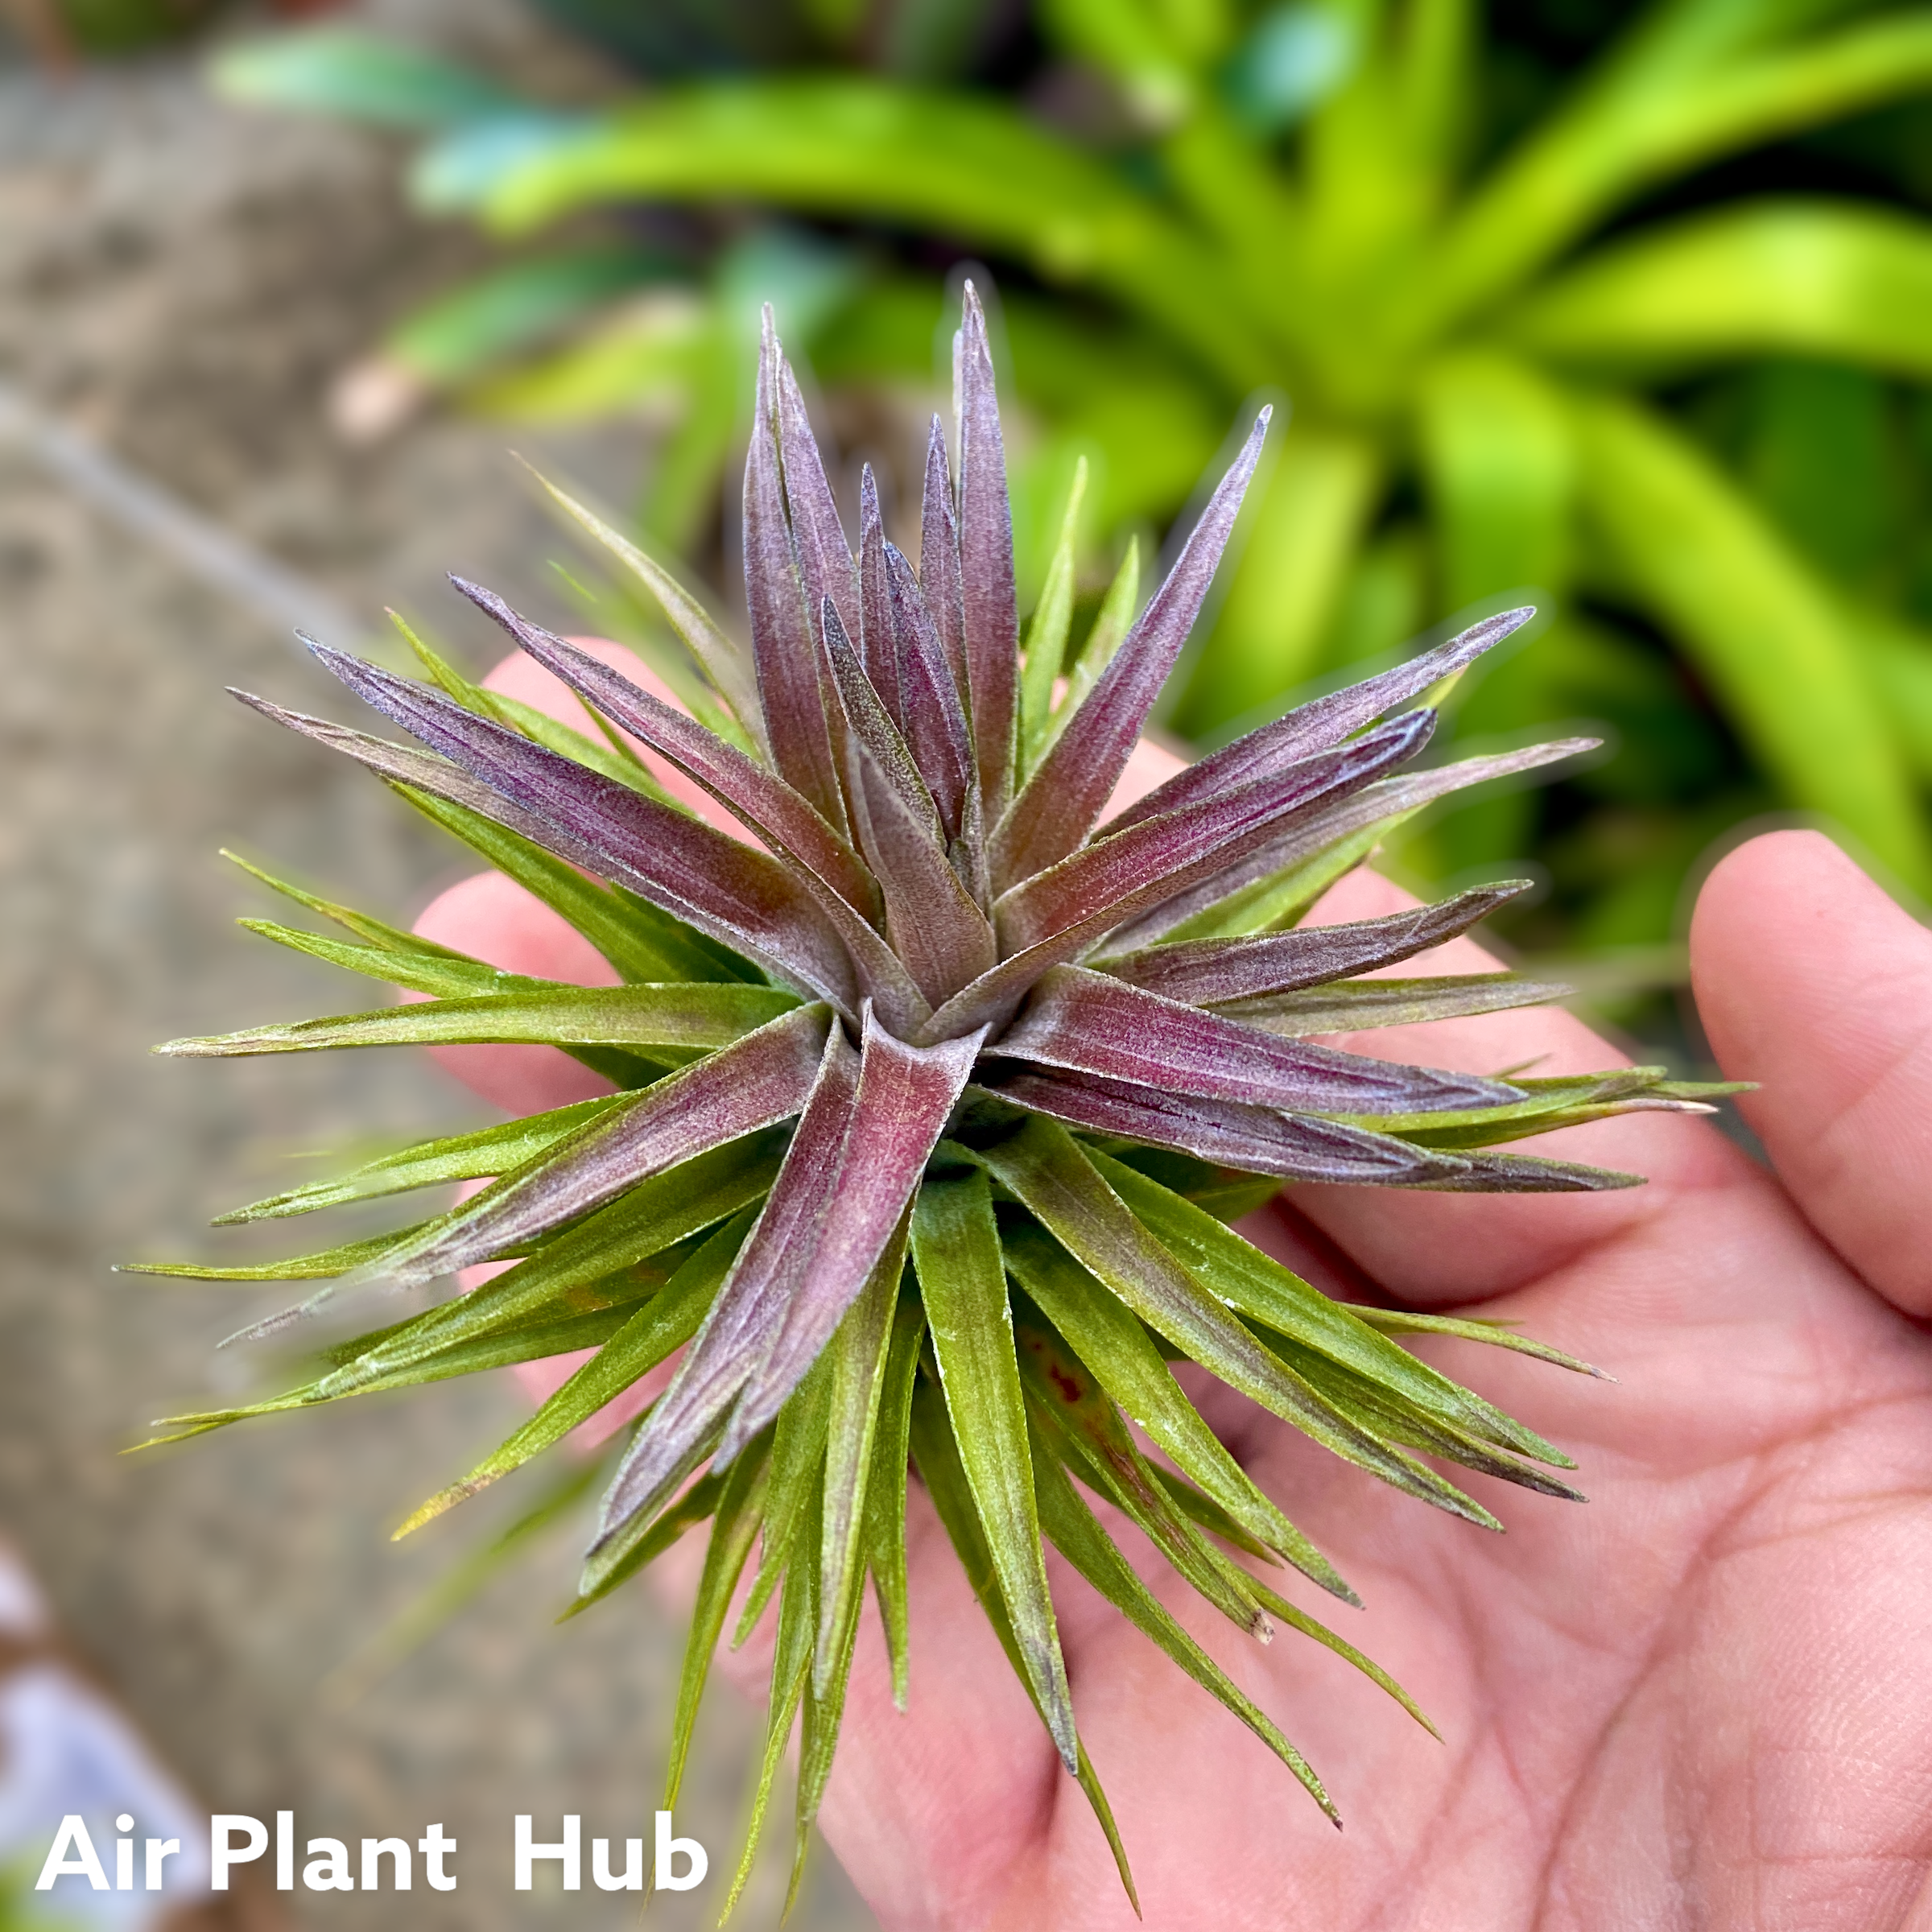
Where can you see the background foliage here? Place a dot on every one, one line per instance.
(1631, 310)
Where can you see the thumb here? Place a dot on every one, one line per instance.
(1810, 981)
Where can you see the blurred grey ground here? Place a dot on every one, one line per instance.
(182, 282)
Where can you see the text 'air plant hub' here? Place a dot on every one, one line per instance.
(931, 1113)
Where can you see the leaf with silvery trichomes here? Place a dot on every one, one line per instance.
(937, 1002)
(935, 1453)
(1076, 1533)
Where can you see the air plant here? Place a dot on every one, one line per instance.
(932, 1109)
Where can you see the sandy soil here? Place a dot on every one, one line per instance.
(184, 281)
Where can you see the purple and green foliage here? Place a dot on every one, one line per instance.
(932, 1112)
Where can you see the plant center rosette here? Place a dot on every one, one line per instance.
(933, 1108)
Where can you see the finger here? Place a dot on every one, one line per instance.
(492, 918)
(1812, 982)
(1433, 1249)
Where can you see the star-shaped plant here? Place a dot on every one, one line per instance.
(931, 1115)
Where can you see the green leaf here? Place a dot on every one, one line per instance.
(979, 169)
(740, 1510)
(643, 944)
(613, 758)
(1122, 1358)
(940, 1469)
(1642, 124)
(1117, 612)
(643, 1542)
(791, 1673)
(1047, 628)
(343, 70)
(1300, 1621)
(1079, 1537)
(1257, 1285)
(1045, 1168)
(328, 1262)
(860, 1351)
(373, 931)
(441, 974)
(643, 1222)
(1494, 1334)
(1352, 1005)
(797, 1471)
(463, 1157)
(955, 1250)
(886, 1488)
(1279, 901)
(1766, 635)
(668, 1320)
(1844, 282)
(722, 661)
(695, 1015)
(1086, 1432)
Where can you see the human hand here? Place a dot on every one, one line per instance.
(1702, 1697)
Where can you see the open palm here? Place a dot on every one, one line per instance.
(1701, 1699)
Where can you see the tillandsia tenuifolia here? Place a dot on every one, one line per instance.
(932, 1113)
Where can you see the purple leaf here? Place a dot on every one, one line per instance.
(1301, 840)
(934, 719)
(1254, 1139)
(905, 1095)
(1092, 1024)
(744, 1319)
(1066, 795)
(754, 1083)
(940, 558)
(1076, 903)
(825, 565)
(991, 611)
(785, 819)
(724, 888)
(1204, 971)
(942, 937)
(1322, 723)
(878, 638)
(783, 654)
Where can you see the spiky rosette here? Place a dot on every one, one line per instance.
(930, 1114)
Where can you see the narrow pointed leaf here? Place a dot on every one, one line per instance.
(1492, 1335)
(1116, 614)
(667, 1321)
(1092, 1024)
(992, 626)
(784, 652)
(442, 974)
(825, 562)
(1078, 1536)
(462, 1157)
(1050, 1174)
(940, 558)
(1203, 972)
(1350, 1006)
(859, 1352)
(1066, 795)
(722, 661)
(784, 819)
(906, 1095)
(885, 1526)
(1256, 1139)
(938, 1456)
(956, 1248)
(1047, 630)
(1324, 723)
(934, 719)
(1122, 1358)
(878, 642)
(744, 1319)
(795, 1496)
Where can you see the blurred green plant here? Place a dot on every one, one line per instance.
(1551, 353)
